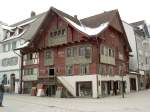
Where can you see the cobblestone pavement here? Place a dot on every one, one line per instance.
(133, 102)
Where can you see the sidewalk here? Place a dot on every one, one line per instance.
(2, 109)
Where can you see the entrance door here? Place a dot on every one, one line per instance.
(132, 84)
(12, 82)
(84, 89)
(51, 72)
(51, 90)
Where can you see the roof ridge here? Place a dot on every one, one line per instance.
(99, 14)
(28, 19)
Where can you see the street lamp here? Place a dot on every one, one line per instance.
(122, 86)
(122, 83)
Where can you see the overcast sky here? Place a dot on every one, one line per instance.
(12, 11)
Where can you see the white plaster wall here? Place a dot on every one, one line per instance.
(17, 76)
(15, 69)
(73, 79)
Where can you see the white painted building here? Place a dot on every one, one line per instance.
(139, 60)
(10, 58)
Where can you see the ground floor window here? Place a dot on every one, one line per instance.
(84, 89)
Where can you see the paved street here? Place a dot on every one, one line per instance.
(134, 102)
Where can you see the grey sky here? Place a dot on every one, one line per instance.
(12, 11)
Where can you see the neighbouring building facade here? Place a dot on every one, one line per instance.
(10, 59)
(139, 61)
(143, 46)
(66, 56)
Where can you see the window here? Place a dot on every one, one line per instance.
(110, 70)
(5, 79)
(69, 70)
(51, 72)
(106, 51)
(6, 47)
(16, 32)
(102, 69)
(29, 56)
(120, 70)
(8, 34)
(84, 69)
(48, 54)
(69, 52)
(14, 45)
(4, 62)
(9, 46)
(85, 51)
(63, 31)
(74, 51)
(57, 32)
(30, 71)
(20, 30)
(10, 61)
(51, 34)
(102, 49)
(14, 60)
(81, 51)
(109, 51)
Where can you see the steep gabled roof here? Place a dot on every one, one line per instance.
(31, 28)
(108, 16)
(81, 25)
(96, 20)
(135, 24)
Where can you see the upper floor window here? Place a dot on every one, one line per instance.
(14, 45)
(31, 71)
(84, 69)
(107, 51)
(85, 51)
(48, 54)
(121, 53)
(10, 61)
(16, 32)
(57, 32)
(102, 69)
(29, 56)
(69, 70)
(110, 70)
(6, 47)
(72, 51)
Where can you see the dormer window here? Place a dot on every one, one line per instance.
(20, 30)
(16, 32)
(8, 34)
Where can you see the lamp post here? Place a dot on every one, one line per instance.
(122, 86)
(122, 83)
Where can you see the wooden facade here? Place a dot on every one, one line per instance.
(60, 47)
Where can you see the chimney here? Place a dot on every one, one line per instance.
(33, 13)
(75, 16)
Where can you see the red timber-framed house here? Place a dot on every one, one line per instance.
(82, 58)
